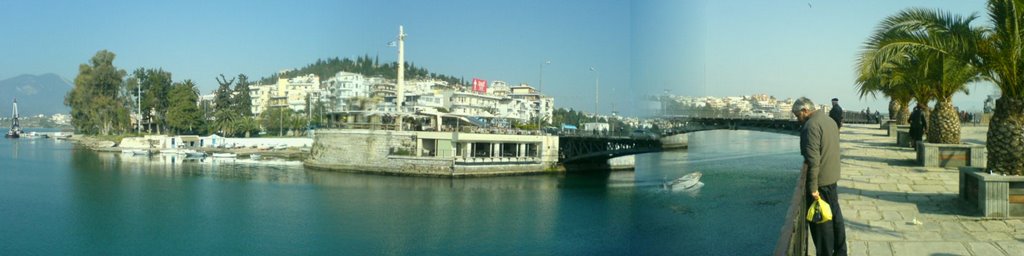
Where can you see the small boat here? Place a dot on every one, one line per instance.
(171, 151)
(281, 147)
(255, 156)
(687, 182)
(193, 154)
(135, 152)
(225, 155)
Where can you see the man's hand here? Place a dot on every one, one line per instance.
(816, 195)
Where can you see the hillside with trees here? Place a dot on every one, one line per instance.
(364, 65)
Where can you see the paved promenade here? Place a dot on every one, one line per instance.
(883, 191)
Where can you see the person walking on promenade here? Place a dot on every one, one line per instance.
(918, 125)
(836, 113)
(819, 145)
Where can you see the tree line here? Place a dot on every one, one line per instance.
(105, 97)
(365, 65)
(926, 55)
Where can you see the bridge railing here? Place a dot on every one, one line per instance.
(793, 236)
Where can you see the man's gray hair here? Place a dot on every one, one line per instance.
(803, 103)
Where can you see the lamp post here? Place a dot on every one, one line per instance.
(401, 75)
(597, 90)
(138, 105)
(540, 99)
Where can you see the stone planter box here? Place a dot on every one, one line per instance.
(993, 195)
(903, 138)
(951, 155)
(884, 124)
(894, 128)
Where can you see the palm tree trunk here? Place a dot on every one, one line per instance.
(944, 124)
(1006, 137)
(903, 114)
(894, 108)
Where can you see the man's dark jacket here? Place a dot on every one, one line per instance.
(819, 144)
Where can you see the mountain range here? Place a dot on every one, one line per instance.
(36, 94)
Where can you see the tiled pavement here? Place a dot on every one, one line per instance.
(883, 191)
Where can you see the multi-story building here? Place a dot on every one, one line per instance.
(291, 93)
(340, 89)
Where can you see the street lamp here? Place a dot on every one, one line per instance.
(597, 89)
(540, 99)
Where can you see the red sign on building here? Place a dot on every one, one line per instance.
(479, 85)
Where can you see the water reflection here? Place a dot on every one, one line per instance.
(70, 199)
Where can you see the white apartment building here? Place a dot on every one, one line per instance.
(342, 87)
(290, 93)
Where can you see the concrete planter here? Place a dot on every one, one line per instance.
(884, 124)
(903, 138)
(894, 128)
(993, 195)
(950, 155)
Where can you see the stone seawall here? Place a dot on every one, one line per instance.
(394, 152)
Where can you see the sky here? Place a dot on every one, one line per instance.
(637, 48)
(783, 48)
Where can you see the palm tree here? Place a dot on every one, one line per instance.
(1002, 54)
(933, 52)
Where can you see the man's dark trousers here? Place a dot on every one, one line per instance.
(829, 237)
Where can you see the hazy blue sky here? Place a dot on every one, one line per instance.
(719, 48)
(782, 48)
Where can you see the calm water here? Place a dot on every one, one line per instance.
(56, 198)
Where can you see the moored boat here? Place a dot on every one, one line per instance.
(687, 182)
(225, 155)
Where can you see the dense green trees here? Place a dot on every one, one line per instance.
(183, 116)
(936, 53)
(241, 100)
(925, 54)
(97, 106)
(363, 65)
(155, 85)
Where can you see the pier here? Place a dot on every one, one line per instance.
(894, 206)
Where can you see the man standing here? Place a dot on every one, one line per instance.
(918, 125)
(836, 113)
(819, 144)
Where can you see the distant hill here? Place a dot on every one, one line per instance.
(36, 94)
(362, 65)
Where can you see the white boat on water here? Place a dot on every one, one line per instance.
(225, 155)
(135, 152)
(255, 156)
(192, 153)
(687, 182)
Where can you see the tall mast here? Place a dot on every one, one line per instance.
(401, 75)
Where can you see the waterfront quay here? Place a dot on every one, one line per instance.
(894, 206)
(430, 153)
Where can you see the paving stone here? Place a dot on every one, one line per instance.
(929, 248)
(857, 248)
(879, 249)
(870, 215)
(972, 226)
(922, 236)
(892, 216)
(995, 225)
(951, 226)
(992, 236)
(881, 225)
(984, 249)
(957, 236)
(1012, 247)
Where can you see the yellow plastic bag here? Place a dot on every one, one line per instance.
(820, 212)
